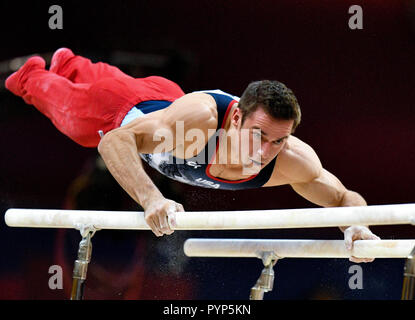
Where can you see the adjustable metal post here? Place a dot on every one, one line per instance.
(81, 264)
(265, 281)
(408, 289)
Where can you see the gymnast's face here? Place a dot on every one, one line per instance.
(262, 137)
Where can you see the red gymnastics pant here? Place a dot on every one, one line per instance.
(82, 98)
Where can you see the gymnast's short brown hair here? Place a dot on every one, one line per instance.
(274, 97)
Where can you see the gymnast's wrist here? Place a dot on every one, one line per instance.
(151, 198)
(343, 228)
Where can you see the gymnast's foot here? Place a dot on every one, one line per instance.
(15, 82)
(60, 57)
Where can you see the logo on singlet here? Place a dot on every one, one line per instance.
(193, 164)
(208, 183)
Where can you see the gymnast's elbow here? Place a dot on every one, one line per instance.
(352, 199)
(105, 144)
(115, 139)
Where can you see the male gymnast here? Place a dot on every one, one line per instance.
(206, 138)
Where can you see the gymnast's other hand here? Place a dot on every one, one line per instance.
(157, 215)
(358, 233)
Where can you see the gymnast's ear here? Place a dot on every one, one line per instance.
(236, 117)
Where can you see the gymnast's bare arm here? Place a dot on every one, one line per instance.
(299, 166)
(119, 149)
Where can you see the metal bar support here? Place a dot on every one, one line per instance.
(408, 288)
(265, 282)
(81, 264)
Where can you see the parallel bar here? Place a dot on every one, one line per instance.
(249, 248)
(49, 218)
(218, 220)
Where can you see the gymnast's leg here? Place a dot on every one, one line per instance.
(81, 70)
(63, 102)
(83, 103)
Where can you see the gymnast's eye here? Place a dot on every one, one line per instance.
(256, 133)
(279, 141)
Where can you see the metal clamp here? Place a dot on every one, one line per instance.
(408, 287)
(84, 257)
(265, 282)
(269, 257)
(85, 229)
(409, 269)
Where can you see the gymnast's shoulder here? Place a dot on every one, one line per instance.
(297, 162)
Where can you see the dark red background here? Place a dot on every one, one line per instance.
(355, 88)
